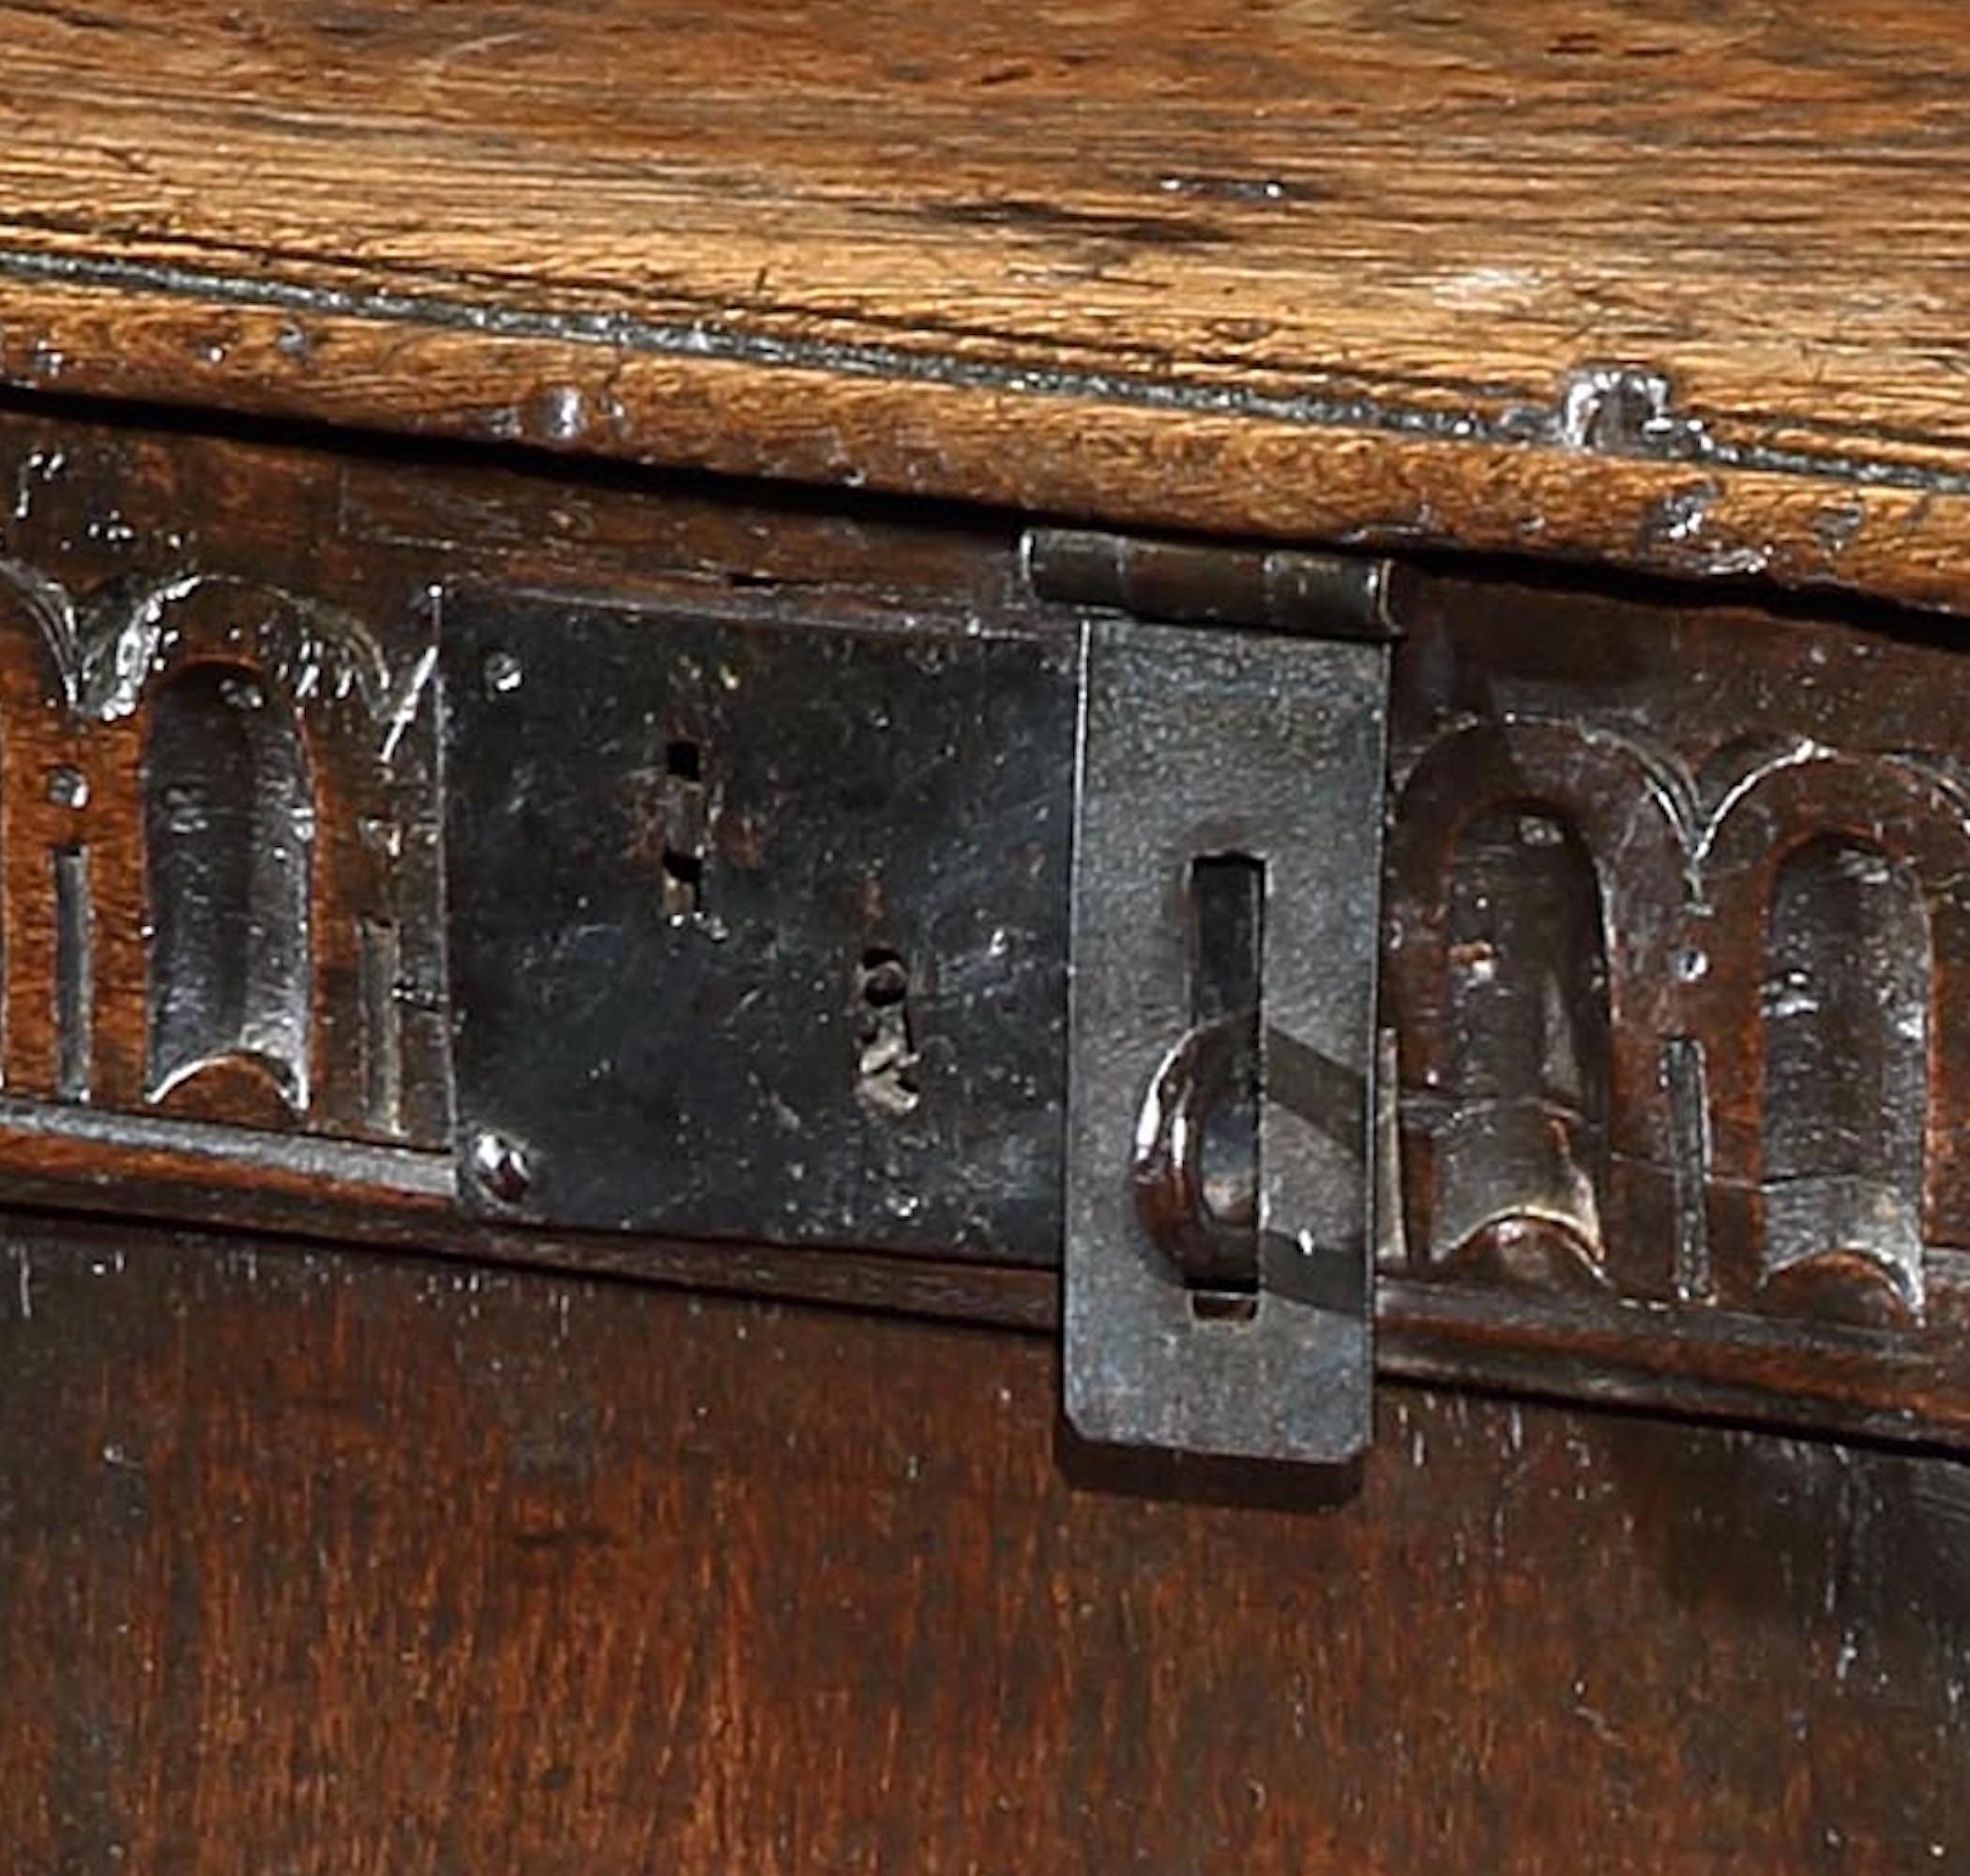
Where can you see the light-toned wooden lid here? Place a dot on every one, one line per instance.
(1684, 287)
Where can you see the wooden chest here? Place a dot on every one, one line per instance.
(1030, 942)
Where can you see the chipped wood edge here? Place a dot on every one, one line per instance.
(1614, 474)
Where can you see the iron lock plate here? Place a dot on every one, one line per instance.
(763, 932)
(757, 931)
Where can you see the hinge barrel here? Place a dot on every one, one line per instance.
(1324, 596)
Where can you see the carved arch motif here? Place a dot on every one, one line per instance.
(1523, 964)
(331, 714)
(1730, 1116)
(1854, 868)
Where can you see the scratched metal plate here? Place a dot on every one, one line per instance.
(759, 931)
(1279, 742)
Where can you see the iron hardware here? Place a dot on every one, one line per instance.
(1231, 781)
(766, 933)
(758, 932)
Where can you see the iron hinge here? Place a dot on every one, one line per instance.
(1322, 596)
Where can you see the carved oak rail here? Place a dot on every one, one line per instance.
(1674, 958)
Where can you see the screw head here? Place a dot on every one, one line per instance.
(500, 1167)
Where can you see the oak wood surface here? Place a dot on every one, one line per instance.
(318, 1564)
(105, 517)
(1309, 269)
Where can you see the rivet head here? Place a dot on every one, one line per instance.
(500, 1167)
(502, 672)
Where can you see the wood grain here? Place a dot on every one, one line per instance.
(113, 511)
(1680, 288)
(329, 1565)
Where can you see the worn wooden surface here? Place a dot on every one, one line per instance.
(1678, 287)
(1777, 1229)
(1674, 957)
(320, 1564)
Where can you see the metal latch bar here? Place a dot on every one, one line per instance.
(1206, 759)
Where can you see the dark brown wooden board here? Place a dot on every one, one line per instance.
(314, 1564)
(1680, 288)
(1576, 716)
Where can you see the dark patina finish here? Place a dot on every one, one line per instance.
(761, 934)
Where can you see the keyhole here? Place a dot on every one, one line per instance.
(886, 1061)
(683, 830)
